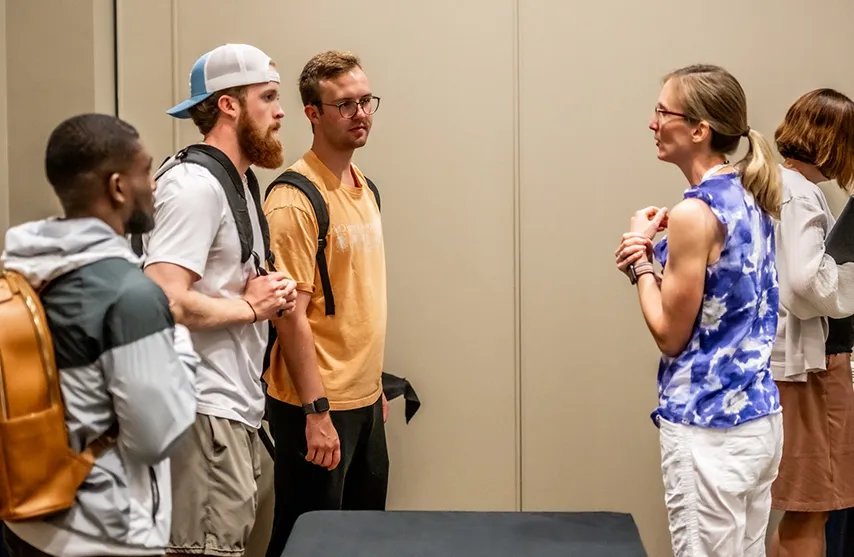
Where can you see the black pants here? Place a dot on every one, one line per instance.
(840, 533)
(359, 482)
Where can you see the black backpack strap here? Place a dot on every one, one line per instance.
(255, 190)
(166, 167)
(227, 175)
(374, 189)
(136, 244)
(321, 213)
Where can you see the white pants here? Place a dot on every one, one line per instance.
(717, 486)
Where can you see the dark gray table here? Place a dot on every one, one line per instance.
(464, 534)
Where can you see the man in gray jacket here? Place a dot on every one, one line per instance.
(122, 359)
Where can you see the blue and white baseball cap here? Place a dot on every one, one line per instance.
(229, 65)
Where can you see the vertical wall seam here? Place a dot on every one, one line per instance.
(5, 171)
(517, 254)
(116, 80)
(175, 77)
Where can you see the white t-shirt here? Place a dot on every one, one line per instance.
(194, 228)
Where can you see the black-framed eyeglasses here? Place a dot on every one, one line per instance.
(349, 109)
(659, 112)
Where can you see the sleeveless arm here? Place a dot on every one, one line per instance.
(670, 310)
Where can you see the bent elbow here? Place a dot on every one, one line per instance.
(181, 306)
(818, 299)
(816, 281)
(671, 351)
(148, 454)
(155, 441)
(839, 313)
(182, 424)
(162, 447)
(799, 288)
(184, 416)
(671, 347)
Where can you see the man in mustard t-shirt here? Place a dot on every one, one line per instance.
(326, 406)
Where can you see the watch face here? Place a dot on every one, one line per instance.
(319, 405)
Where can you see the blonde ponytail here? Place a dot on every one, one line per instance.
(760, 174)
(710, 93)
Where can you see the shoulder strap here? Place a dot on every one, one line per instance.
(226, 174)
(374, 189)
(165, 167)
(255, 190)
(228, 177)
(321, 213)
(136, 244)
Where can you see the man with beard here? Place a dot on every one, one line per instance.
(194, 253)
(123, 363)
(326, 405)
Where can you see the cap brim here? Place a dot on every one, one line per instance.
(182, 110)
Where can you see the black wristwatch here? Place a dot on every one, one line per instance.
(319, 405)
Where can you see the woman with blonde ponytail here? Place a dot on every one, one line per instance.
(713, 315)
(811, 360)
(759, 173)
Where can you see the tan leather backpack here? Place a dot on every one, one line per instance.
(39, 472)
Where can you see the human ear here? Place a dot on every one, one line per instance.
(700, 132)
(313, 112)
(117, 189)
(228, 105)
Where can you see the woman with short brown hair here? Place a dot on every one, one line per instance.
(811, 358)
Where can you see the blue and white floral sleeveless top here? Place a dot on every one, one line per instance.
(723, 377)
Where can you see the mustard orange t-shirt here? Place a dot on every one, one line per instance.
(350, 344)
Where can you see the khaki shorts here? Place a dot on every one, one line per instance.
(214, 493)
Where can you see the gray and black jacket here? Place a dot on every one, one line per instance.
(121, 358)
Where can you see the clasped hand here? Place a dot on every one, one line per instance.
(271, 295)
(636, 245)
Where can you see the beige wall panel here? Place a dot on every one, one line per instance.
(590, 76)
(103, 47)
(442, 152)
(145, 73)
(4, 136)
(49, 80)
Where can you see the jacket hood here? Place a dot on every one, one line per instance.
(43, 250)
